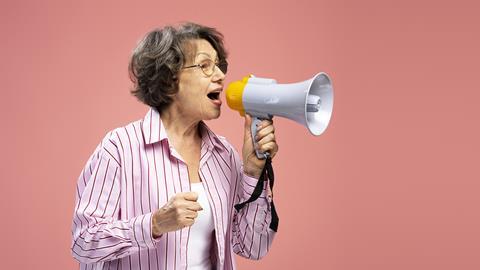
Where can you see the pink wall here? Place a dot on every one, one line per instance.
(392, 184)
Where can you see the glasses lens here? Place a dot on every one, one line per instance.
(207, 67)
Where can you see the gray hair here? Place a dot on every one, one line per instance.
(159, 57)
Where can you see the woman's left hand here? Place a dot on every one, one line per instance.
(265, 137)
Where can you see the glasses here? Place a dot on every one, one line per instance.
(208, 66)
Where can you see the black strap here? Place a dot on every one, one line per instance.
(267, 174)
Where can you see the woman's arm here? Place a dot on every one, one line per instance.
(252, 236)
(98, 234)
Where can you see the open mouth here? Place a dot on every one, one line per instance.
(214, 95)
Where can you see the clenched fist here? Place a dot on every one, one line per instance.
(179, 212)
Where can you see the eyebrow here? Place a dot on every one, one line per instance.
(204, 53)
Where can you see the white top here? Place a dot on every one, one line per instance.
(201, 233)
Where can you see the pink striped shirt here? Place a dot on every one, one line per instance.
(133, 172)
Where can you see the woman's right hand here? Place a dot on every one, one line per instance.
(179, 212)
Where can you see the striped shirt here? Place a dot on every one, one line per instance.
(133, 172)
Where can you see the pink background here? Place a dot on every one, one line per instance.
(393, 184)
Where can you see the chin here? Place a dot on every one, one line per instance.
(213, 115)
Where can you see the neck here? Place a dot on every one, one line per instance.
(180, 127)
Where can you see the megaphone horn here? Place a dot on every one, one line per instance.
(309, 103)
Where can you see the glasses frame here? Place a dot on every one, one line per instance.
(222, 66)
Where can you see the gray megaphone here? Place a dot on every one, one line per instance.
(309, 103)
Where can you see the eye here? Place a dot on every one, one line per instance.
(206, 65)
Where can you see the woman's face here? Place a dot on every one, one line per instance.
(198, 94)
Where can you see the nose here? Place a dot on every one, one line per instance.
(218, 75)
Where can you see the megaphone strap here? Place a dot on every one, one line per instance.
(267, 174)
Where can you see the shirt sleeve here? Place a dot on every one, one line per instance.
(252, 236)
(97, 233)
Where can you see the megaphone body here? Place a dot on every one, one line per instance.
(309, 103)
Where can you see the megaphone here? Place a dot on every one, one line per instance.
(309, 103)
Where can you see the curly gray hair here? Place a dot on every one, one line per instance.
(159, 57)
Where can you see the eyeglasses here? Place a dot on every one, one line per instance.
(208, 66)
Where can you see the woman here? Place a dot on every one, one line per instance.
(159, 192)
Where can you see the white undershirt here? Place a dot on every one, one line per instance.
(201, 233)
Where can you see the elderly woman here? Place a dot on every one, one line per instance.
(160, 192)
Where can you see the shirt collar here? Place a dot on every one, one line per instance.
(211, 138)
(154, 131)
